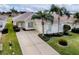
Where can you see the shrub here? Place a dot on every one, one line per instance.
(24, 29)
(16, 28)
(66, 28)
(4, 31)
(54, 34)
(57, 34)
(45, 38)
(75, 30)
(63, 42)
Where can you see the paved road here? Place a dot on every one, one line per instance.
(31, 44)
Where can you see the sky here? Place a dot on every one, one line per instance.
(36, 7)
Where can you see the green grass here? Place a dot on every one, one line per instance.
(10, 36)
(71, 49)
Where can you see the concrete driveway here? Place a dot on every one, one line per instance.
(31, 44)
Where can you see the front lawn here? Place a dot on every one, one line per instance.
(72, 47)
(10, 37)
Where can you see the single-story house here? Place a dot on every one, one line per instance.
(25, 21)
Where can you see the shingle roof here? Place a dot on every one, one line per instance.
(23, 17)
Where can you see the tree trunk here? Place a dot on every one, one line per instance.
(42, 27)
(58, 23)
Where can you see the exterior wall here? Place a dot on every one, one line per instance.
(19, 25)
(26, 25)
(76, 25)
(14, 22)
(52, 28)
(38, 26)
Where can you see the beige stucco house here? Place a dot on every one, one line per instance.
(25, 21)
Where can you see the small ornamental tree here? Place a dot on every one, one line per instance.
(66, 28)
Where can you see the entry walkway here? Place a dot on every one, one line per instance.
(31, 44)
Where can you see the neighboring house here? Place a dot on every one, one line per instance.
(24, 21)
(3, 20)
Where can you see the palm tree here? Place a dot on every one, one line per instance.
(44, 15)
(66, 12)
(60, 12)
(13, 10)
(76, 15)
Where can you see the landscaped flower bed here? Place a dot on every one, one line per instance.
(62, 42)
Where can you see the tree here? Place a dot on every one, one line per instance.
(13, 10)
(44, 15)
(76, 15)
(66, 12)
(60, 12)
(66, 28)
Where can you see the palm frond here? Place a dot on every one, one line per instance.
(49, 17)
(36, 16)
(54, 8)
(45, 15)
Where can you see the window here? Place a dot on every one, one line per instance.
(30, 24)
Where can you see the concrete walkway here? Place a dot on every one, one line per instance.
(31, 44)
